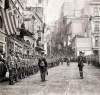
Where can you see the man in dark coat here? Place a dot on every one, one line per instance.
(42, 63)
(80, 64)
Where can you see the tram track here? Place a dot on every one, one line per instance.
(68, 86)
(44, 88)
(93, 77)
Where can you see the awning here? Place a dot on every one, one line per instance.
(37, 48)
(24, 32)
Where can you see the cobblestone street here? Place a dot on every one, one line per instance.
(62, 80)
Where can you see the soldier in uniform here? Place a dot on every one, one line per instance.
(10, 60)
(31, 65)
(33, 62)
(3, 65)
(42, 63)
(21, 62)
(80, 64)
(19, 66)
(23, 67)
(16, 68)
(27, 65)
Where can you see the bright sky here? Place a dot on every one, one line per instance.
(53, 10)
(54, 7)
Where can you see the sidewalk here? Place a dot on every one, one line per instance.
(62, 80)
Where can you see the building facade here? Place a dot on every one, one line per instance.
(19, 28)
(73, 23)
(92, 30)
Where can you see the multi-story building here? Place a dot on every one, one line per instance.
(92, 30)
(73, 23)
(95, 25)
(20, 26)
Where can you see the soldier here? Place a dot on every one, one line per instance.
(21, 62)
(31, 66)
(29, 70)
(26, 66)
(23, 67)
(80, 64)
(16, 68)
(19, 65)
(33, 63)
(42, 66)
(11, 67)
(3, 65)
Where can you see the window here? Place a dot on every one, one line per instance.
(96, 12)
(97, 26)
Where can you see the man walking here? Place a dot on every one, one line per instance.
(80, 64)
(42, 63)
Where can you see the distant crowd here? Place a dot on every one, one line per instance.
(89, 59)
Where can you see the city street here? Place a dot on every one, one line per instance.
(62, 80)
(36, 34)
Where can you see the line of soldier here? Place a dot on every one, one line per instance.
(92, 59)
(20, 66)
(53, 61)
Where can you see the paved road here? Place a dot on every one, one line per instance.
(62, 80)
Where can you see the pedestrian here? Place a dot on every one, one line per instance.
(42, 63)
(80, 64)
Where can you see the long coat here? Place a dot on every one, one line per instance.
(45, 62)
(80, 61)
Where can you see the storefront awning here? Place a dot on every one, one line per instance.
(37, 48)
(24, 32)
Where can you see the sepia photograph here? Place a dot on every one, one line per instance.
(49, 47)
